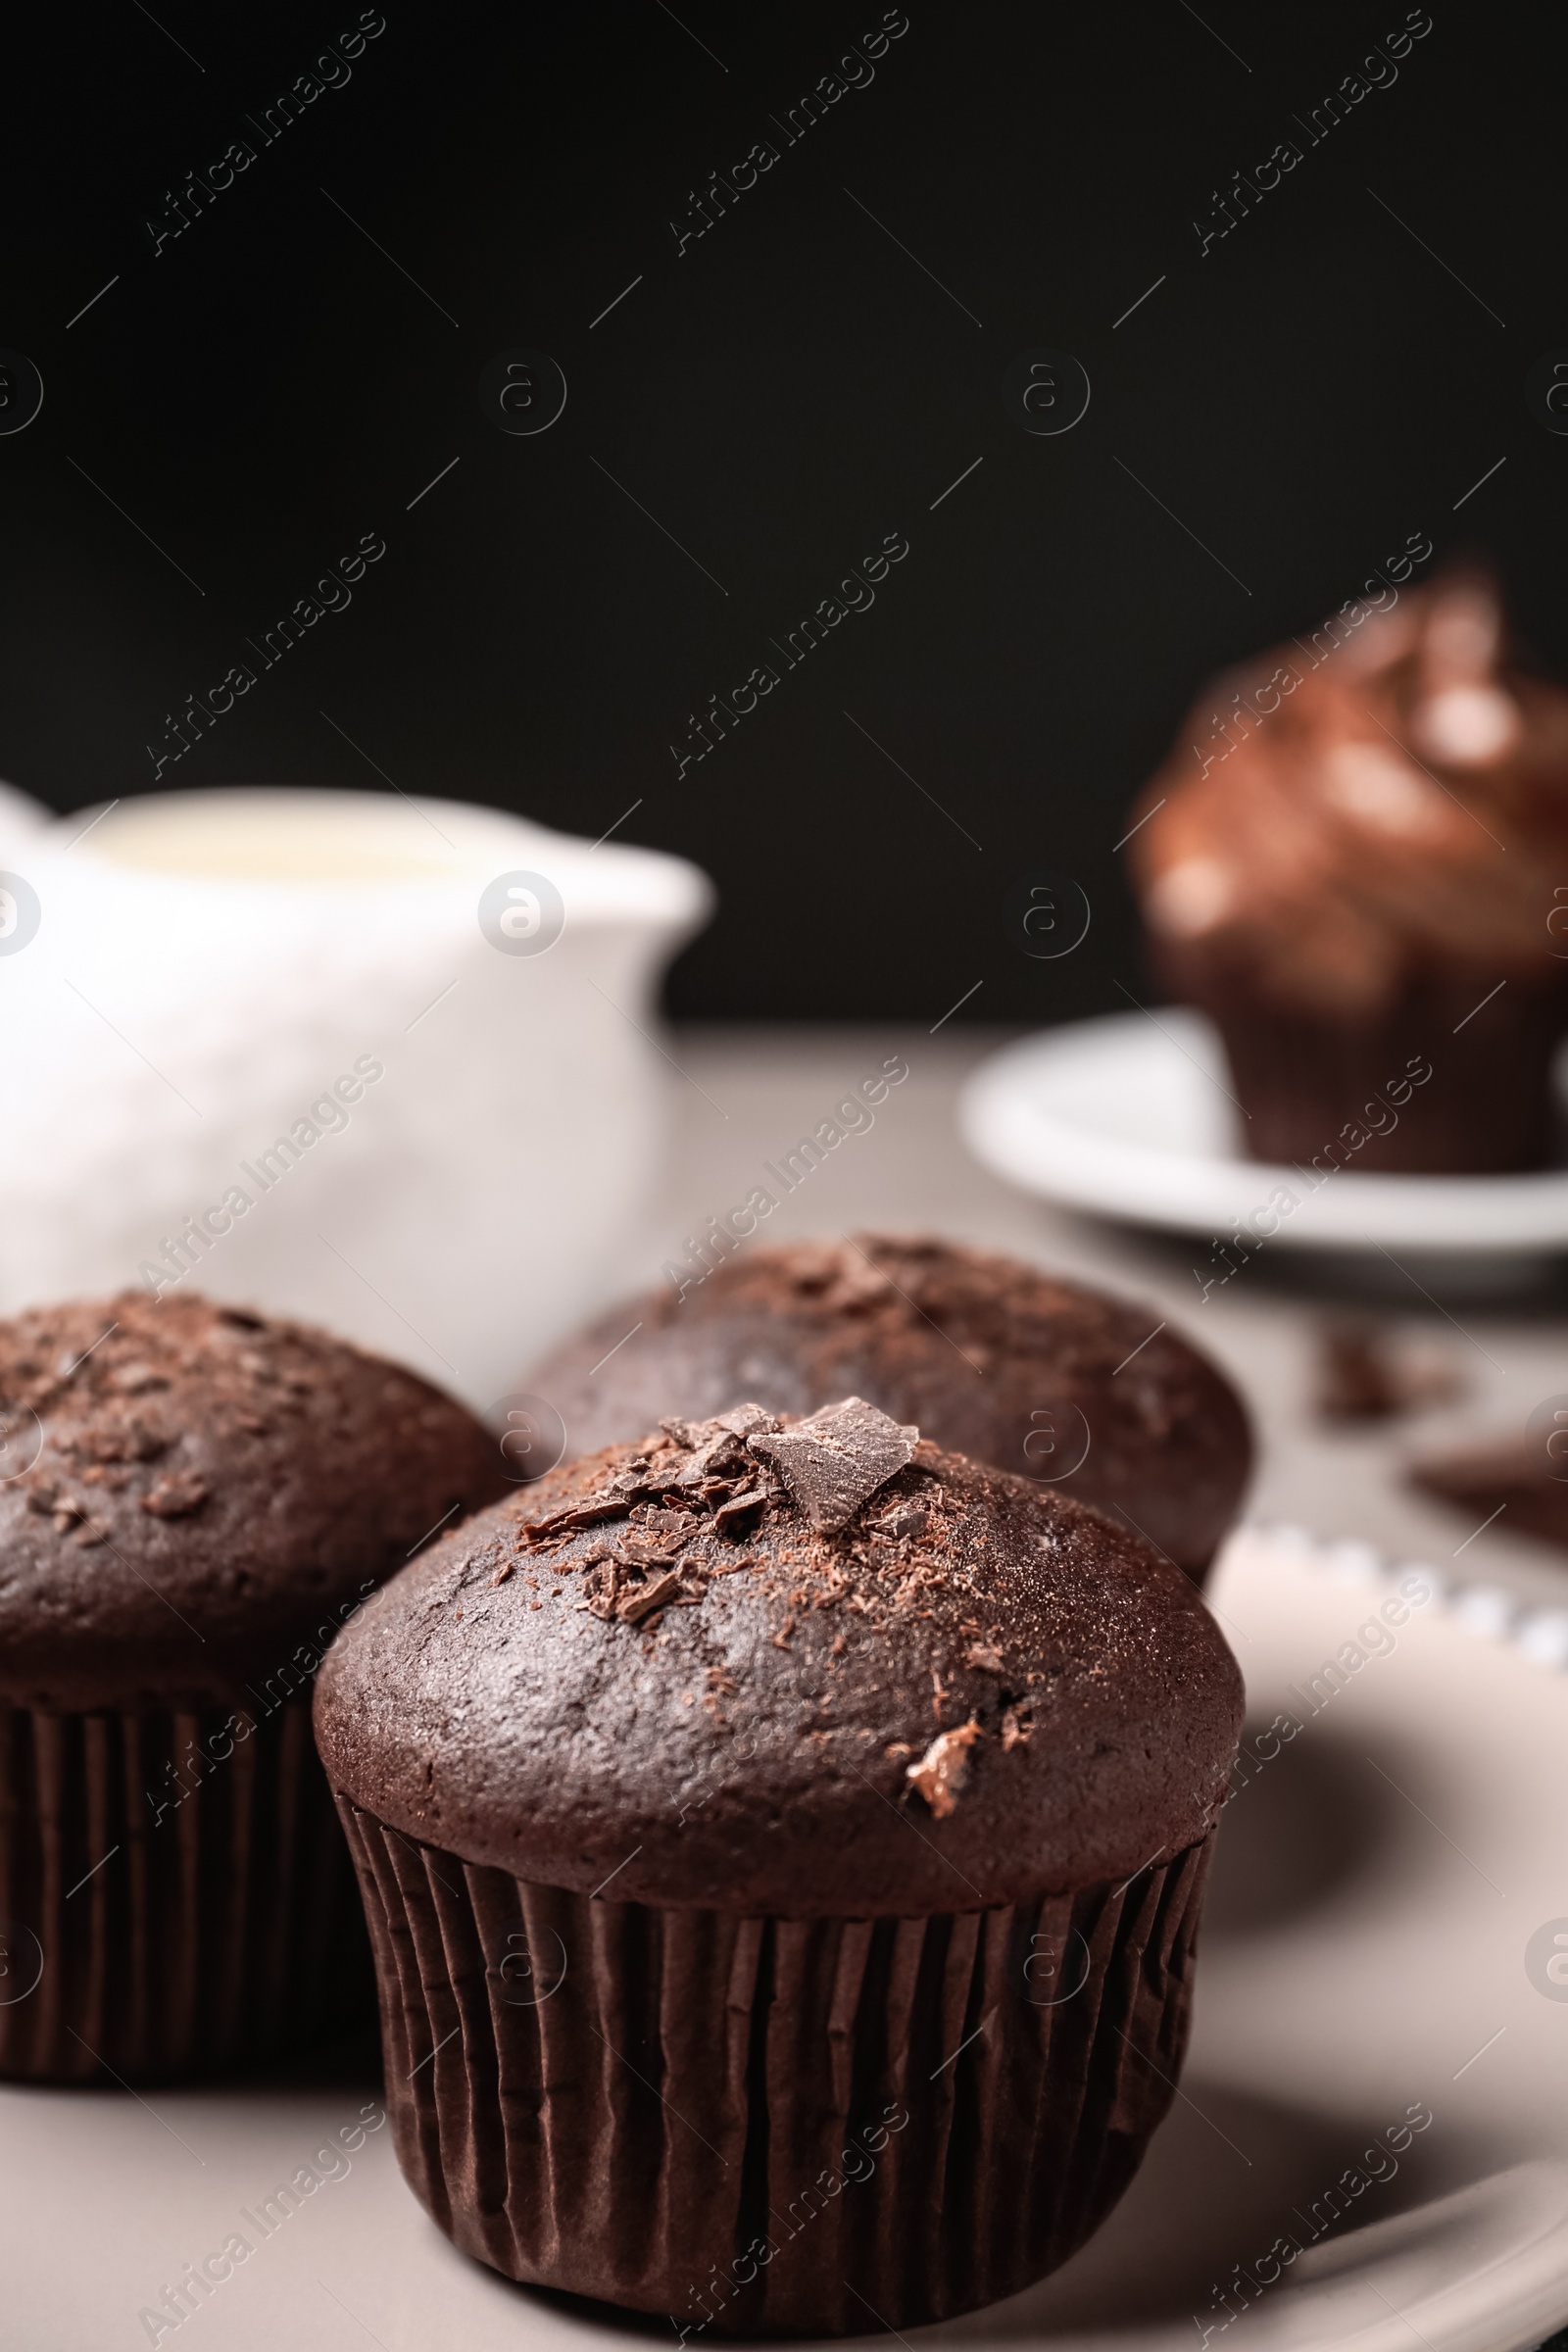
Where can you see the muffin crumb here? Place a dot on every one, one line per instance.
(944, 1768)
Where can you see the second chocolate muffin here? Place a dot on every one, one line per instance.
(193, 1500)
(987, 1355)
(783, 1849)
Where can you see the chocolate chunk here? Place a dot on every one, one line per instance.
(748, 1420)
(716, 1446)
(836, 1458)
(176, 1497)
(1366, 1373)
(132, 1440)
(944, 1768)
(841, 1274)
(984, 1654)
(1510, 1479)
(637, 1550)
(719, 1454)
(739, 1421)
(904, 1519)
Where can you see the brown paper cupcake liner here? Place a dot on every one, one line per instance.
(767, 2126)
(173, 1899)
(1487, 1109)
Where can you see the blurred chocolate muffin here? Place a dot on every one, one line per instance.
(782, 1847)
(193, 1500)
(992, 1358)
(1357, 865)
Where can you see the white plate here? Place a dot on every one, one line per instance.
(1363, 1953)
(1129, 1116)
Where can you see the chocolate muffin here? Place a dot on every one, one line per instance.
(782, 1846)
(1354, 864)
(990, 1357)
(193, 1500)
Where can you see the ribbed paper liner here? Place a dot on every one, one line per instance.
(220, 1931)
(1488, 1108)
(620, 2100)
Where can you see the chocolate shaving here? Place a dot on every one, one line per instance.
(984, 1653)
(668, 1523)
(835, 1459)
(634, 1606)
(600, 1586)
(944, 1768)
(638, 1548)
(589, 1513)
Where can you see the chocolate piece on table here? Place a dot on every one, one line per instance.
(1510, 1479)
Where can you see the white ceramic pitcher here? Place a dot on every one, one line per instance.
(377, 1062)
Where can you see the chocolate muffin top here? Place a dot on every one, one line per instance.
(802, 1669)
(191, 1495)
(990, 1357)
(1340, 820)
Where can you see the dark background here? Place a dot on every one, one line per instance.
(790, 388)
